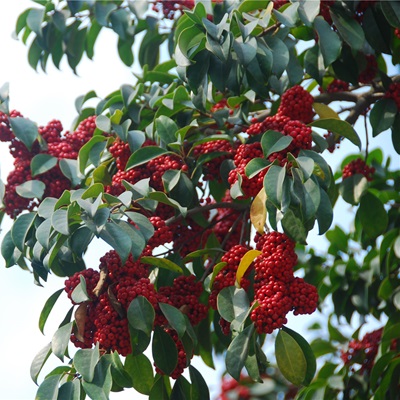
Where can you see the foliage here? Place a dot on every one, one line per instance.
(204, 178)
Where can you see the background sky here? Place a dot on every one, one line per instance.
(43, 97)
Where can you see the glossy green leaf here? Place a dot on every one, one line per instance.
(165, 353)
(70, 390)
(141, 314)
(42, 163)
(31, 189)
(238, 351)
(162, 263)
(293, 227)
(280, 54)
(199, 389)
(20, 229)
(69, 168)
(329, 41)
(383, 115)
(100, 386)
(175, 318)
(59, 220)
(373, 216)
(39, 361)
(140, 370)
(143, 155)
(161, 388)
(339, 127)
(349, 29)
(391, 10)
(48, 390)
(118, 238)
(290, 358)
(273, 184)
(60, 340)
(353, 188)
(48, 306)
(79, 294)
(85, 361)
(232, 303)
(272, 142)
(255, 166)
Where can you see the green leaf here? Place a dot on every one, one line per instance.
(117, 238)
(329, 41)
(38, 362)
(294, 227)
(48, 390)
(232, 303)
(314, 63)
(383, 115)
(59, 220)
(273, 184)
(290, 358)
(163, 198)
(141, 314)
(85, 361)
(42, 163)
(349, 29)
(373, 216)
(70, 390)
(307, 352)
(79, 294)
(166, 129)
(175, 318)
(143, 155)
(391, 10)
(353, 188)
(69, 168)
(100, 386)
(140, 370)
(165, 353)
(161, 388)
(60, 340)
(255, 166)
(339, 127)
(84, 152)
(31, 189)
(272, 142)
(162, 263)
(238, 351)
(146, 228)
(47, 308)
(34, 20)
(20, 229)
(199, 388)
(324, 213)
(280, 54)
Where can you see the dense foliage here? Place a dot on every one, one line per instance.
(205, 178)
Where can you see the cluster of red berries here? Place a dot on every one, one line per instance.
(276, 290)
(358, 166)
(296, 103)
(212, 168)
(103, 319)
(244, 154)
(363, 351)
(56, 145)
(336, 86)
(232, 389)
(394, 93)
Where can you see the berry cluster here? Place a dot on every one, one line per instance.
(358, 166)
(296, 103)
(394, 93)
(212, 168)
(336, 86)
(53, 143)
(231, 388)
(103, 319)
(169, 8)
(277, 291)
(363, 351)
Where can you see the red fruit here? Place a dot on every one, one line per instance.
(369, 72)
(394, 93)
(304, 297)
(296, 103)
(358, 166)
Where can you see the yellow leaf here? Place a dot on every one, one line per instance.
(324, 111)
(258, 211)
(245, 263)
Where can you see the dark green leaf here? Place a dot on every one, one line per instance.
(47, 308)
(165, 353)
(175, 318)
(141, 314)
(140, 370)
(69, 168)
(199, 389)
(255, 166)
(353, 188)
(294, 227)
(238, 351)
(349, 29)
(100, 386)
(329, 41)
(324, 213)
(232, 303)
(280, 54)
(118, 238)
(391, 10)
(21, 228)
(48, 390)
(382, 115)
(273, 184)
(79, 294)
(143, 155)
(372, 215)
(70, 390)
(314, 63)
(272, 142)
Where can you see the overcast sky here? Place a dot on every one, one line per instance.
(43, 97)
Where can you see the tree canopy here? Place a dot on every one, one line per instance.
(204, 180)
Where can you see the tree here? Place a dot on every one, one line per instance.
(205, 179)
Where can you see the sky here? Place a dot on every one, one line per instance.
(42, 97)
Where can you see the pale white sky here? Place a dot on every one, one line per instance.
(43, 97)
